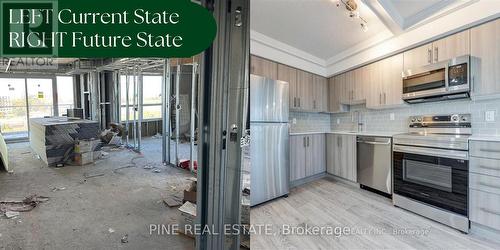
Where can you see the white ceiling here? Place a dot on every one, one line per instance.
(408, 8)
(322, 30)
(317, 27)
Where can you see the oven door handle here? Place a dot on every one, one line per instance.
(445, 153)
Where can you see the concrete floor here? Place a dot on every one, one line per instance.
(80, 216)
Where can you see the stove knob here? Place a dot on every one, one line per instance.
(454, 118)
(419, 119)
(464, 119)
(413, 119)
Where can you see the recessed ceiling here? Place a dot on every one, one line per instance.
(317, 27)
(409, 8)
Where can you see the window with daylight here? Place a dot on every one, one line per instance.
(151, 97)
(65, 96)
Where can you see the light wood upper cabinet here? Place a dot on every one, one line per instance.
(485, 52)
(451, 47)
(336, 91)
(262, 67)
(347, 84)
(374, 86)
(386, 86)
(417, 57)
(358, 88)
(289, 74)
(304, 90)
(392, 81)
(320, 94)
(437, 51)
(341, 156)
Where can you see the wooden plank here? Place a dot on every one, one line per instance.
(4, 154)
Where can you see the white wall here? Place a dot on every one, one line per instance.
(466, 17)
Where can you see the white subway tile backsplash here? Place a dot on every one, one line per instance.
(379, 120)
(307, 122)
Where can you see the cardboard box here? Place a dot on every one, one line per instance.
(189, 196)
(188, 217)
(84, 158)
(85, 146)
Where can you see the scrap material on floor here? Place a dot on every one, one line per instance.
(85, 202)
(4, 154)
(53, 138)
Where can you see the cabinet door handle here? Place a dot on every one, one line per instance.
(385, 98)
(314, 104)
(380, 98)
(308, 141)
(436, 52)
(473, 85)
(490, 211)
(490, 150)
(304, 141)
(488, 167)
(429, 55)
(299, 101)
(489, 185)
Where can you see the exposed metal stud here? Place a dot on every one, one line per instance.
(177, 113)
(140, 108)
(193, 115)
(165, 95)
(127, 104)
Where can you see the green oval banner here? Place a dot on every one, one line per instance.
(92, 28)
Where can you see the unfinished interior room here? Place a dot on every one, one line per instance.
(129, 151)
(94, 151)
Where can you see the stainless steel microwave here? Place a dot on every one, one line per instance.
(440, 81)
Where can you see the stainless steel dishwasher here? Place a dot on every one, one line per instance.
(374, 160)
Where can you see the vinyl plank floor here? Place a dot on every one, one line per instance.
(368, 221)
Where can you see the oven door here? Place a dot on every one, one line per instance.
(436, 179)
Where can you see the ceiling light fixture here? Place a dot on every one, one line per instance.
(352, 7)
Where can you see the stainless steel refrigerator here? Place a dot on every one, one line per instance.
(269, 147)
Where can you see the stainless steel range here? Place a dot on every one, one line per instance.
(431, 168)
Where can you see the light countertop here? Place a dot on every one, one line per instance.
(363, 133)
(493, 138)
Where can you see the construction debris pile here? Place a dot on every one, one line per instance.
(11, 208)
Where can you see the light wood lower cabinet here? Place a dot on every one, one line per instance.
(307, 156)
(484, 183)
(341, 156)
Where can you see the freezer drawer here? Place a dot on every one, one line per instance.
(374, 163)
(269, 153)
